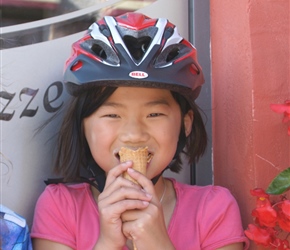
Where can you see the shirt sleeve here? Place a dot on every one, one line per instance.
(221, 222)
(53, 216)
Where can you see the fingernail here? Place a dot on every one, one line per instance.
(126, 163)
(131, 170)
(148, 195)
(146, 203)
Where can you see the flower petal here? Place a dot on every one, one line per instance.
(259, 192)
(258, 235)
(280, 108)
(285, 207)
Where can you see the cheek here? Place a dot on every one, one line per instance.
(100, 139)
(176, 126)
(88, 132)
(174, 135)
(92, 136)
(95, 145)
(169, 132)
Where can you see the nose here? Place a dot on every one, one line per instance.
(134, 131)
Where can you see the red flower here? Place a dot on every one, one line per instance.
(259, 192)
(260, 236)
(272, 219)
(284, 215)
(286, 208)
(284, 223)
(280, 244)
(283, 109)
(265, 214)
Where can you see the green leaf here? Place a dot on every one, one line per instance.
(280, 184)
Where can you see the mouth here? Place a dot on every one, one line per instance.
(149, 157)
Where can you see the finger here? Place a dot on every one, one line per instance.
(116, 185)
(114, 211)
(131, 215)
(117, 171)
(129, 231)
(150, 214)
(133, 229)
(123, 193)
(143, 181)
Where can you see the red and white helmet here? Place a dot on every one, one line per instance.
(134, 50)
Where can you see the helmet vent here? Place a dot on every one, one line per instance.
(137, 46)
(172, 54)
(99, 51)
(102, 51)
(105, 31)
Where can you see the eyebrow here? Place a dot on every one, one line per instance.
(157, 102)
(112, 104)
(148, 104)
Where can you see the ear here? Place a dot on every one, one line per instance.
(188, 120)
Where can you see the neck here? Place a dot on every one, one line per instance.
(161, 189)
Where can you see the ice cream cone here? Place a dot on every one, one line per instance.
(139, 158)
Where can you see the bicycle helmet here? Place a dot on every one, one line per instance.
(134, 50)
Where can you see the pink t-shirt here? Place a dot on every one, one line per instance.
(204, 217)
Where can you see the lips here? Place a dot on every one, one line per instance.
(150, 156)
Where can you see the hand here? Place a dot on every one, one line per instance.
(146, 226)
(118, 196)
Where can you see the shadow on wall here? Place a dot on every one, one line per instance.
(6, 169)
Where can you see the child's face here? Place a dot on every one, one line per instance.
(136, 117)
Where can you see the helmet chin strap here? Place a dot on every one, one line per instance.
(156, 178)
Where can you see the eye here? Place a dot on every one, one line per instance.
(155, 114)
(112, 116)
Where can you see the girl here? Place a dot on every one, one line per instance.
(134, 82)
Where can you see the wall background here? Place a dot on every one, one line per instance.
(250, 70)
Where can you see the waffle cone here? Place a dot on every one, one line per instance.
(139, 158)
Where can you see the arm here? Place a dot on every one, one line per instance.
(40, 244)
(235, 246)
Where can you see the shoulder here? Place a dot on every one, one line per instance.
(63, 195)
(205, 198)
(208, 193)
(213, 212)
(58, 207)
(212, 202)
(67, 187)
